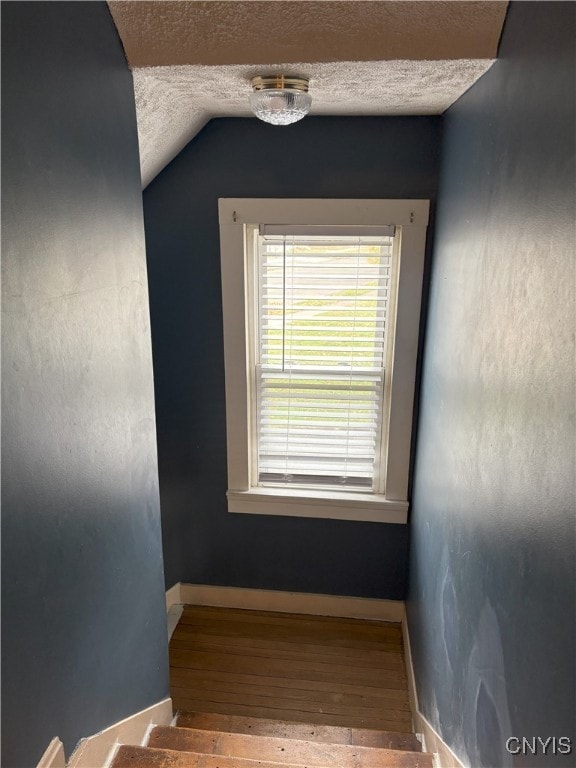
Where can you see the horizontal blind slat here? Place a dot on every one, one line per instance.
(322, 316)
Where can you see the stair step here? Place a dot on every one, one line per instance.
(365, 718)
(147, 757)
(284, 751)
(285, 729)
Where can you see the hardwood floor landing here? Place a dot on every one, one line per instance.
(328, 671)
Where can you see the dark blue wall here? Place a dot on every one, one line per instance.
(83, 610)
(319, 157)
(491, 603)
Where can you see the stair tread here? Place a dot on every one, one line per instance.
(284, 750)
(361, 737)
(364, 719)
(149, 757)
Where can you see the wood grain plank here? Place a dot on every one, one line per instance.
(291, 730)
(313, 707)
(303, 668)
(279, 634)
(326, 671)
(291, 635)
(376, 633)
(181, 682)
(371, 719)
(145, 757)
(291, 751)
(330, 645)
(371, 660)
(193, 677)
(231, 614)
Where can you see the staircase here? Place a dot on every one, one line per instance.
(199, 740)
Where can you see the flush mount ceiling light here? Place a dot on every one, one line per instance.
(279, 99)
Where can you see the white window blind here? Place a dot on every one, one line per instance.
(319, 363)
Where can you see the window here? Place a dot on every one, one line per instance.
(321, 304)
(318, 356)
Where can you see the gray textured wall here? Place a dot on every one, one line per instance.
(319, 157)
(83, 610)
(491, 603)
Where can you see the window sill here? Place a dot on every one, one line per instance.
(321, 504)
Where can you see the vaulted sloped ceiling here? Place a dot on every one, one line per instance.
(192, 61)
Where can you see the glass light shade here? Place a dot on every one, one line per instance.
(280, 106)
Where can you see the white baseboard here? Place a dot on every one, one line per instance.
(54, 756)
(174, 608)
(95, 751)
(173, 617)
(412, 692)
(290, 602)
(173, 596)
(432, 741)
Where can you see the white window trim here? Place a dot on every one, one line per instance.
(235, 214)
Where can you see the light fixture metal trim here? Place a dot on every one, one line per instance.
(268, 82)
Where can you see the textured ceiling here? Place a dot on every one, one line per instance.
(193, 60)
(174, 103)
(167, 33)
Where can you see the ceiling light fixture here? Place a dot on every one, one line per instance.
(279, 99)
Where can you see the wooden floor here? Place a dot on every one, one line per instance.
(326, 671)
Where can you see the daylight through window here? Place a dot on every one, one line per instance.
(320, 357)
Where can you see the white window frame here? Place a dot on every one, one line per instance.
(410, 217)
